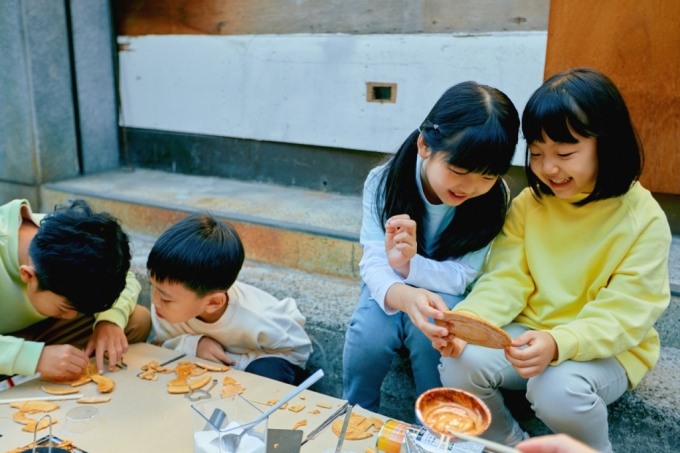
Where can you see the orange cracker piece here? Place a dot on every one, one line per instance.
(44, 423)
(33, 407)
(58, 390)
(198, 372)
(474, 330)
(283, 406)
(303, 397)
(369, 450)
(94, 400)
(324, 405)
(315, 411)
(104, 384)
(178, 389)
(377, 422)
(20, 417)
(200, 382)
(149, 375)
(355, 430)
(296, 408)
(211, 367)
(232, 389)
(228, 380)
(81, 381)
(299, 424)
(272, 402)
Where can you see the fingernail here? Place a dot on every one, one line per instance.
(101, 371)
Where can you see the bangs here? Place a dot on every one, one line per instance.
(553, 111)
(484, 149)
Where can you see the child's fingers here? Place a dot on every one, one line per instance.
(399, 217)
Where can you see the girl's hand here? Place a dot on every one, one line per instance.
(559, 443)
(62, 360)
(210, 349)
(420, 304)
(400, 242)
(532, 360)
(454, 347)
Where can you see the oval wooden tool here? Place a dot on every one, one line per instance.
(474, 330)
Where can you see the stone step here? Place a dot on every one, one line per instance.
(284, 226)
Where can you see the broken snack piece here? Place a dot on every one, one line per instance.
(94, 400)
(58, 390)
(356, 430)
(299, 424)
(104, 384)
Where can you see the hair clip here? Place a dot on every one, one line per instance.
(436, 127)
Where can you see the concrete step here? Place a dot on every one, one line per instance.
(284, 226)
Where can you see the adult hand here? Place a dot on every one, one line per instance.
(532, 360)
(560, 443)
(210, 349)
(401, 243)
(454, 347)
(107, 337)
(420, 304)
(62, 360)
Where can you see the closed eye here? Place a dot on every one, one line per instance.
(565, 155)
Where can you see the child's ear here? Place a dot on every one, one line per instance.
(423, 150)
(216, 301)
(27, 273)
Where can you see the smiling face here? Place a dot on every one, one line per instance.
(175, 303)
(568, 169)
(444, 183)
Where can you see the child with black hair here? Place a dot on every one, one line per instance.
(199, 307)
(579, 274)
(429, 216)
(59, 274)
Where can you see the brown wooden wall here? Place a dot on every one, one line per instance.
(244, 17)
(637, 44)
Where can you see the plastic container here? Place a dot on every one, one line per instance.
(217, 425)
(82, 419)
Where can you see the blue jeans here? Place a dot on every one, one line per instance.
(373, 339)
(278, 369)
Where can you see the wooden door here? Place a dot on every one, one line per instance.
(637, 44)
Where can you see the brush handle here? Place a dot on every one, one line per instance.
(500, 448)
(44, 398)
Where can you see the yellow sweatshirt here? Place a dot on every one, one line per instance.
(595, 277)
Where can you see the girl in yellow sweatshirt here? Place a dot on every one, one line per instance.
(579, 274)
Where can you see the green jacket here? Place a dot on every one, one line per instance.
(18, 356)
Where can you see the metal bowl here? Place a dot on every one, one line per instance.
(443, 409)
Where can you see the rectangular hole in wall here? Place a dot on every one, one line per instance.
(381, 92)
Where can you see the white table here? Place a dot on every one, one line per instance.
(143, 417)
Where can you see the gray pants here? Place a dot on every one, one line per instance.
(570, 398)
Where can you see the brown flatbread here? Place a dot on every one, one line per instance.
(475, 330)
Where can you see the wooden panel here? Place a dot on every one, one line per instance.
(244, 17)
(637, 44)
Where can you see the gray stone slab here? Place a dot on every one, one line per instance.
(93, 59)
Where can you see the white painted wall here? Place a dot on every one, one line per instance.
(311, 89)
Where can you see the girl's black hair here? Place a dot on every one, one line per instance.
(590, 103)
(476, 127)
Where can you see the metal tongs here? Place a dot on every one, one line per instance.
(325, 423)
(199, 394)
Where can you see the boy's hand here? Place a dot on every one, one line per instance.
(532, 360)
(107, 337)
(62, 360)
(210, 349)
(420, 304)
(454, 347)
(400, 243)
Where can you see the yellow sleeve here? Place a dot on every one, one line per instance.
(623, 313)
(123, 307)
(501, 293)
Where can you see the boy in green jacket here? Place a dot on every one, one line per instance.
(59, 274)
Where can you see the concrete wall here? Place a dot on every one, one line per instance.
(311, 89)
